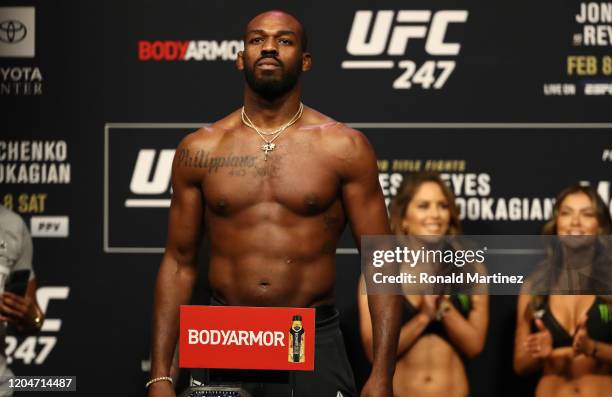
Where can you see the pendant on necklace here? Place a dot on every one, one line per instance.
(266, 148)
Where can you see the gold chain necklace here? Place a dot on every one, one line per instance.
(269, 144)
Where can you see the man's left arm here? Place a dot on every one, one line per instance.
(367, 215)
(23, 311)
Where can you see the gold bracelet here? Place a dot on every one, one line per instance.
(38, 322)
(154, 380)
(39, 319)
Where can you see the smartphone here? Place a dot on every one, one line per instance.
(17, 282)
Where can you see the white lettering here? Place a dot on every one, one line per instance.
(140, 183)
(435, 44)
(357, 44)
(401, 34)
(192, 336)
(44, 295)
(236, 337)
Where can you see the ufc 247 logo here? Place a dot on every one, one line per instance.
(34, 350)
(384, 34)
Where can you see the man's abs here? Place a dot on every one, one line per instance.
(270, 256)
(260, 281)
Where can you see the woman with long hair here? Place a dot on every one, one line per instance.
(569, 337)
(438, 330)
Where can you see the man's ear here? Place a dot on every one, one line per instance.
(306, 61)
(240, 60)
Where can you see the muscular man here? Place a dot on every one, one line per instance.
(273, 203)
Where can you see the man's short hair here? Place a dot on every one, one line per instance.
(304, 38)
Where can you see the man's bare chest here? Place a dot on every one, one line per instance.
(296, 177)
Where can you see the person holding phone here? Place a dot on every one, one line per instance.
(18, 305)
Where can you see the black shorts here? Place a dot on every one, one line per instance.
(332, 377)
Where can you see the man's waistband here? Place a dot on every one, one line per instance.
(324, 314)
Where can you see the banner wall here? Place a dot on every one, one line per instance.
(509, 101)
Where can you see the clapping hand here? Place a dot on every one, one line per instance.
(429, 305)
(582, 343)
(539, 344)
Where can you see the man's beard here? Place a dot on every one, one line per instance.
(269, 87)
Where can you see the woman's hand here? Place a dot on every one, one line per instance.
(429, 306)
(539, 344)
(582, 343)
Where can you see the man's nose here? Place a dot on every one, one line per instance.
(269, 47)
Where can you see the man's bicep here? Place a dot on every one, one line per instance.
(185, 218)
(362, 195)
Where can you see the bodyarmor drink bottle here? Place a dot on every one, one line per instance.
(296, 341)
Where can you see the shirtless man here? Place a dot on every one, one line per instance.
(273, 217)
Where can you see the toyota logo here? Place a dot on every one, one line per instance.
(12, 31)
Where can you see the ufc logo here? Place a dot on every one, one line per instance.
(44, 295)
(383, 31)
(151, 176)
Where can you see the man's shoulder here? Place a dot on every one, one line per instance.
(346, 147)
(208, 136)
(10, 220)
(6, 215)
(335, 133)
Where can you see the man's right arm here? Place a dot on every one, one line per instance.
(178, 269)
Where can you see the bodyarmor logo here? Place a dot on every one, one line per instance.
(200, 50)
(392, 33)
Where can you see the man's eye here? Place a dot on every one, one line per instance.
(285, 41)
(256, 40)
